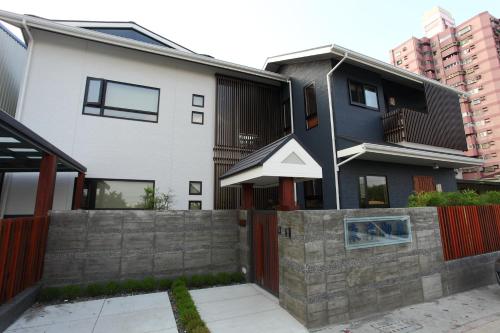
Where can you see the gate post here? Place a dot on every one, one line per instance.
(286, 194)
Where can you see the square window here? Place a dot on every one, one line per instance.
(195, 188)
(194, 205)
(363, 95)
(197, 117)
(373, 192)
(198, 100)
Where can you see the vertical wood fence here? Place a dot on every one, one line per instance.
(22, 249)
(469, 230)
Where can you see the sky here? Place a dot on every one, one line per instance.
(247, 32)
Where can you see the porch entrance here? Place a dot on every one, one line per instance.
(265, 249)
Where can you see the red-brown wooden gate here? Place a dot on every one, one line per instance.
(265, 250)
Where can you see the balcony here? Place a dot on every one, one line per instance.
(396, 124)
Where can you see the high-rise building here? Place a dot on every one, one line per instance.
(466, 57)
(436, 20)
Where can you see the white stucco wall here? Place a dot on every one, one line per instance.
(171, 152)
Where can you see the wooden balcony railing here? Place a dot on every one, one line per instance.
(403, 125)
(22, 250)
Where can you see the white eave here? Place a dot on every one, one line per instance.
(333, 50)
(401, 155)
(291, 160)
(19, 20)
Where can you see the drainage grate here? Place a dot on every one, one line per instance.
(396, 326)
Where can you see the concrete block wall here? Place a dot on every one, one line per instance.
(322, 283)
(86, 246)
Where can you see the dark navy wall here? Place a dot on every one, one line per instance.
(355, 122)
(399, 180)
(352, 120)
(318, 140)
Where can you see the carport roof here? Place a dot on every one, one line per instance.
(21, 149)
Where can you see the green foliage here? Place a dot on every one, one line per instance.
(95, 289)
(153, 199)
(72, 292)
(463, 198)
(149, 284)
(188, 314)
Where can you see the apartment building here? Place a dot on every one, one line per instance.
(467, 57)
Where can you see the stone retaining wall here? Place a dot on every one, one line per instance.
(322, 283)
(85, 246)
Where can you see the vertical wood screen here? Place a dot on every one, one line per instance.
(248, 117)
(469, 230)
(265, 250)
(22, 250)
(423, 184)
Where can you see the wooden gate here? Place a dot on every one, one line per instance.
(265, 250)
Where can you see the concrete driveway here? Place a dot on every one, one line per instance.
(243, 309)
(146, 313)
(473, 311)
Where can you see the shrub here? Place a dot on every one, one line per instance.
(50, 294)
(463, 198)
(164, 284)
(223, 278)
(71, 292)
(237, 277)
(95, 289)
(149, 284)
(112, 288)
(131, 286)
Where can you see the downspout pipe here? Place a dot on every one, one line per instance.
(22, 93)
(332, 127)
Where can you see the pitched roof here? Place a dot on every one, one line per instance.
(258, 157)
(23, 21)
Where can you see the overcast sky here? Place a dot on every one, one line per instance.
(246, 32)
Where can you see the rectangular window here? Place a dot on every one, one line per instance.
(115, 193)
(197, 117)
(310, 106)
(195, 188)
(313, 194)
(121, 100)
(194, 205)
(362, 232)
(363, 95)
(198, 101)
(287, 123)
(373, 192)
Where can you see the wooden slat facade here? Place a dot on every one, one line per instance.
(22, 250)
(440, 126)
(248, 117)
(469, 230)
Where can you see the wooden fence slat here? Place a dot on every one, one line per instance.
(469, 230)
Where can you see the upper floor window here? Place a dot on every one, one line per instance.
(121, 100)
(310, 106)
(287, 122)
(363, 95)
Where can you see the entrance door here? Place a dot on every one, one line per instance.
(423, 184)
(265, 250)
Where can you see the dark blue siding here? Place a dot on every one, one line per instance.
(399, 180)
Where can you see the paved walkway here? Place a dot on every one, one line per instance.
(473, 311)
(149, 313)
(243, 309)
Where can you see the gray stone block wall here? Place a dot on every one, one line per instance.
(86, 246)
(322, 283)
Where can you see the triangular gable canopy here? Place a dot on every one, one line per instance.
(285, 157)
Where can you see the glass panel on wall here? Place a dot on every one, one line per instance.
(363, 232)
(357, 93)
(130, 115)
(131, 97)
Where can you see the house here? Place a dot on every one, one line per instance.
(383, 132)
(140, 111)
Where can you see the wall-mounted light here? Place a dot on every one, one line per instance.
(435, 166)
